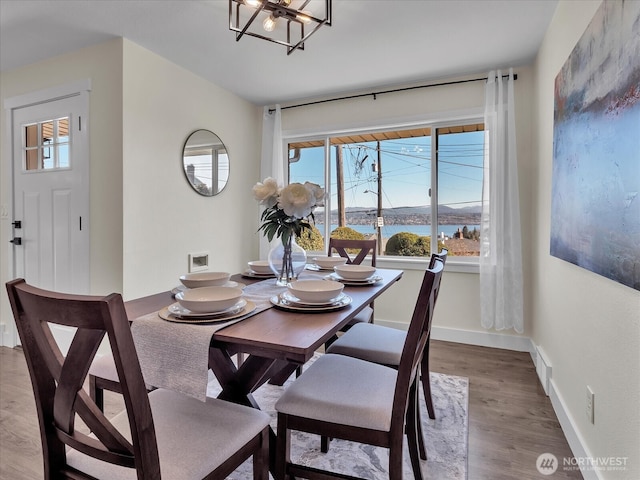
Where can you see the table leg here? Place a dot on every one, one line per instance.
(282, 376)
(238, 382)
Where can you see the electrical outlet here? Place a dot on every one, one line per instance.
(591, 397)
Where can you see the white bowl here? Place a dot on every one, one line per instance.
(209, 299)
(204, 279)
(315, 291)
(260, 266)
(329, 262)
(354, 272)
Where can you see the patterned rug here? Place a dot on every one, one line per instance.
(446, 437)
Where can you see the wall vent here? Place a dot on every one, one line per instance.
(198, 262)
(543, 369)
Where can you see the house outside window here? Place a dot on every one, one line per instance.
(415, 189)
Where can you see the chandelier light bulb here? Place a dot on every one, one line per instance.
(304, 17)
(269, 23)
(252, 3)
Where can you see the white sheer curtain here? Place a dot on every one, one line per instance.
(272, 162)
(501, 246)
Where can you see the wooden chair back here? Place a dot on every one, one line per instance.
(416, 340)
(442, 257)
(58, 379)
(355, 251)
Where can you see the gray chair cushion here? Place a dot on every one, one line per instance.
(193, 437)
(104, 367)
(373, 343)
(342, 390)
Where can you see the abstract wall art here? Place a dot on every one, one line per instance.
(595, 204)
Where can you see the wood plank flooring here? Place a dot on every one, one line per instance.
(511, 420)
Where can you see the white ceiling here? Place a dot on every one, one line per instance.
(371, 44)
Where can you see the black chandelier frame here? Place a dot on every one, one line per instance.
(297, 30)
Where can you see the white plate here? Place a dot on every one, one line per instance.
(280, 302)
(252, 274)
(165, 314)
(317, 268)
(367, 281)
(179, 311)
(289, 297)
(230, 283)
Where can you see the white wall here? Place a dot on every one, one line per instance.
(458, 314)
(145, 218)
(164, 218)
(102, 64)
(588, 325)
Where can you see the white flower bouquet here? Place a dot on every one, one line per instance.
(289, 210)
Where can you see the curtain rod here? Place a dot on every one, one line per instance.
(375, 94)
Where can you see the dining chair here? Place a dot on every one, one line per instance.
(383, 345)
(355, 251)
(355, 400)
(162, 434)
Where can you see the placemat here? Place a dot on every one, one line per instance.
(176, 355)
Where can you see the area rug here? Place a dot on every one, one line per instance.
(446, 437)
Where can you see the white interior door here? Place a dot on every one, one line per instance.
(51, 194)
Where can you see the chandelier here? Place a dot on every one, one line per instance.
(286, 22)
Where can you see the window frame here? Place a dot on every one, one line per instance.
(445, 119)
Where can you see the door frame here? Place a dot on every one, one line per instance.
(8, 332)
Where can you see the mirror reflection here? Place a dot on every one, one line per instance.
(205, 162)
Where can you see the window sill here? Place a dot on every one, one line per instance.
(454, 264)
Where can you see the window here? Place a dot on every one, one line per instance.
(384, 184)
(46, 145)
(207, 168)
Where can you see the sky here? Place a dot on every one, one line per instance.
(406, 171)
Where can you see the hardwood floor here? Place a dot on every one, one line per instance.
(511, 421)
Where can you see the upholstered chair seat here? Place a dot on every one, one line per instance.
(361, 395)
(194, 437)
(373, 343)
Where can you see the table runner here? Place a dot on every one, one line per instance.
(175, 356)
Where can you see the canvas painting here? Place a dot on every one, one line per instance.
(595, 204)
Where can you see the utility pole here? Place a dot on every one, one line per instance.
(379, 219)
(342, 215)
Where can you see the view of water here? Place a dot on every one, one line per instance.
(423, 230)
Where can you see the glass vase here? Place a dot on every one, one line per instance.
(287, 261)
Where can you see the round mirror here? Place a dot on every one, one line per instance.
(205, 162)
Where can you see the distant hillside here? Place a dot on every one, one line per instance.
(412, 215)
(421, 210)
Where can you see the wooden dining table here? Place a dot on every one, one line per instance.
(270, 340)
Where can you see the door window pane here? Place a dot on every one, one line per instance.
(46, 145)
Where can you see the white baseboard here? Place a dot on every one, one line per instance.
(483, 339)
(472, 337)
(575, 440)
